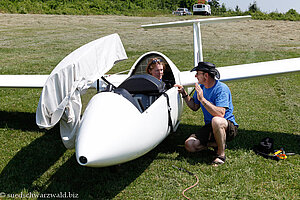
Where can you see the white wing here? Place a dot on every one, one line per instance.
(91, 61)
(38, 81)
(247, 70)
(23, 81)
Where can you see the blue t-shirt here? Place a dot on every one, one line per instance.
(219, 95)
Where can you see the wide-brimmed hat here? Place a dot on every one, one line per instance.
(208, 68)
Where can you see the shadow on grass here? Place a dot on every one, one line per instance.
(18, 120)
(69, 179)
(245, 140)
(31, 169)
(97, 183)
(30, 163)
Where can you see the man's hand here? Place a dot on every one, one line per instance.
(180, 88)
(199, 92)
(189, 101)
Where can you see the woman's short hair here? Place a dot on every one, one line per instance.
(152, 64)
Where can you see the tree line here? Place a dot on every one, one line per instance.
(131, 8)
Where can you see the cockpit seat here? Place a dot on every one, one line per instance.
(143, 84)
(144, 88)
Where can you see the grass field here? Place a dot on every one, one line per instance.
(35, 162)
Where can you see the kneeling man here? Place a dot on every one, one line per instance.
(214, 98)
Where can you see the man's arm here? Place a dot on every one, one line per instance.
(212, 109)
(189, 100)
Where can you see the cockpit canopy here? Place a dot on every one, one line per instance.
(140, 68)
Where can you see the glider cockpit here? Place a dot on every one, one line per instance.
(142, 89)
(140, 68)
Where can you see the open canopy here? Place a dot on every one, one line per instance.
(60, 99)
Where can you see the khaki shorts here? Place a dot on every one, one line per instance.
(206, 135)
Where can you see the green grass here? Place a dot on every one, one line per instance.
(34, 161)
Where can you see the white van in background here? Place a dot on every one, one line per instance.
(201, 9)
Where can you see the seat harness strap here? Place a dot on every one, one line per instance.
(169, 111)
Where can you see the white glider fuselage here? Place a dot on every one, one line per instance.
(113, 131)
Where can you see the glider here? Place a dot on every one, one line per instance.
(117, 125)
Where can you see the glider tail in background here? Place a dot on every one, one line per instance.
(231, 72)
(198, 56)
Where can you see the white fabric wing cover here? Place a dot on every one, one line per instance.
(60, 99)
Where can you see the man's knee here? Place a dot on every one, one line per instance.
(219, 122)
(190, 144)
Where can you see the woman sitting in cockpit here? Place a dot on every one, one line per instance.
(156, 68)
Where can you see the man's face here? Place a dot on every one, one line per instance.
(200, 76)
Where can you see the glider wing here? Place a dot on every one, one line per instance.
(23, 81)
(247, 70)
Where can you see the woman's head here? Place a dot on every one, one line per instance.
(156, 68)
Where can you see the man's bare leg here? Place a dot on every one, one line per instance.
(219, 126)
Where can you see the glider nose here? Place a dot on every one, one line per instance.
(83, 160)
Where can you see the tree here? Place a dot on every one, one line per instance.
(223, 8)
(215, 6)
(186, 3)
(253, 7)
